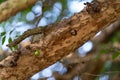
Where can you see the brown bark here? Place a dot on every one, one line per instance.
(11, 7)
(79, 65)
(60, 40)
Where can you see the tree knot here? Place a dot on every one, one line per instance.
(94, 7)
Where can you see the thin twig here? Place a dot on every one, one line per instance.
(108, 72)
(38, 30)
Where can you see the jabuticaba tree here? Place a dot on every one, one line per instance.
(60, 39)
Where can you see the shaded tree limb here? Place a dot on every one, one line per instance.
(11, 7)
(59, 41)
(107, 33)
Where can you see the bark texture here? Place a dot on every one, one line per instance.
(78, 66)
(11, 7)
(61, 39)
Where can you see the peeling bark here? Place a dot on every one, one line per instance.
(59, 41)
(11, 7)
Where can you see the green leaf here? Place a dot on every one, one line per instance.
(3, 33)
(2, 1)
(115, 55)
(16, 47)
(104, 51)
(13, 48)
(115, 37)
(10, 40)
(11, 31)
(64, 3)
(37, 53)
(3, 40)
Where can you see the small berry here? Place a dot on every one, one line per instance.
(37, 53)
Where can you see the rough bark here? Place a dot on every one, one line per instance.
(74, 62)
(78, 66)
(61, 39)
(11, 7)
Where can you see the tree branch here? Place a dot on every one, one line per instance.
(61, 39)
(74, 62)
(11, 7)
(26, 34)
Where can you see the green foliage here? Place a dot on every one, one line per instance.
(115, 55)
(115, 66)
(14, 48)
(20, 17)
(24, 13)
(11, 31)
(64, 3)
(46, 8)
(3, 33)
(2, 1)
(104, 51)
(116, 37)
(109, 50)
(10, 40)
(48, 5)
(107, 66)
(3, 40)
(109, 47)
(37, 53)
